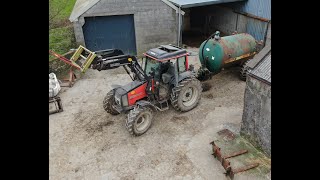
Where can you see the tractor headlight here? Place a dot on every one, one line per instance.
(124, 100)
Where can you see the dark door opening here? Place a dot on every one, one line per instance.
(200, 22)
(109, 32)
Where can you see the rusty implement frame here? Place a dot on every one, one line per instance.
(57, 103)
(69, 82)
(226, 164)
(239, 57)
(226, 134)
(76, 57)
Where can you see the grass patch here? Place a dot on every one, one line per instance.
(61, 37)
(64, 7)
(61, 40)
(65, 13)
(61, 34)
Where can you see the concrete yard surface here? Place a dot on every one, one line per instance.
(85, 142)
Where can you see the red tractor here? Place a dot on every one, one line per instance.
(166, 77)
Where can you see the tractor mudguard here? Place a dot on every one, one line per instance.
(185, 75)
(144, 103)
(115, 86)
(182, 76)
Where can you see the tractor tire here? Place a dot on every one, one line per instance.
(186, 95)
(139, 120)
(244, 71)
(108, 101)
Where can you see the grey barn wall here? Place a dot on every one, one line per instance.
(155, 22)
(78, 33)
(256, 118)
(224, 19)
(227, 21)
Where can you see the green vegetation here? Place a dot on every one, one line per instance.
(66, 7)
(61, 39)
(61, 35)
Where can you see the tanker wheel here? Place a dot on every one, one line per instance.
(108, 101)
(139, 120)
(186, 95)
(244, 71)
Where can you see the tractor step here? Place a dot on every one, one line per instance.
(163, 105)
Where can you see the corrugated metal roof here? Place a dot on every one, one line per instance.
(80, 7)
(258, 57)
(195, 3)
(263, 69)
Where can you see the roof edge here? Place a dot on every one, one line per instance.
(75, 14)
(203, 3)
(81, 10)
(173, 6)
(260, 79)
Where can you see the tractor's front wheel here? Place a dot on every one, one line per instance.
(139, 120)
(108, 101)
(186, 95)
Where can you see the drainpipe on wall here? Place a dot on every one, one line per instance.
(179, 25)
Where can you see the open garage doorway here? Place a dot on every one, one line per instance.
(201, 21)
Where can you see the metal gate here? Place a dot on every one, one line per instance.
(106, 32)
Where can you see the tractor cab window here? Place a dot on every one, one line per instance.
(181, 63)
(152, 66)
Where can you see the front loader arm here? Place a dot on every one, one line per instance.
(116, 59)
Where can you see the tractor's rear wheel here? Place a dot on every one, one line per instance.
(244, 71)
(139, 120)
(186, 95)
(108, 101)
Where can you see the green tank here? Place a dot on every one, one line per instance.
(216, 52)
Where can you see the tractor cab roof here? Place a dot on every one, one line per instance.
(166, 52)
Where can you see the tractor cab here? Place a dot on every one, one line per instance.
(166, 64)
